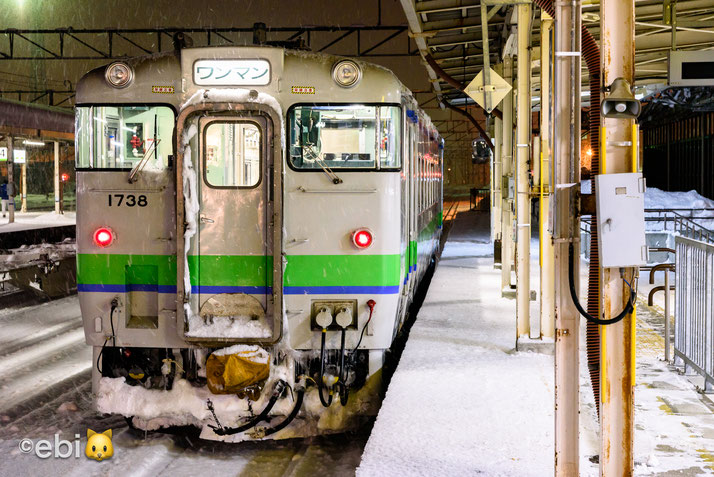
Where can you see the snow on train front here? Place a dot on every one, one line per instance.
(252, 224)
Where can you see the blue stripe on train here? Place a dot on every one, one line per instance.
(341, 290)
(229, 289)
(84, 287)
(329, 290)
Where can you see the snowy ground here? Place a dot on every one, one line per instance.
(463, 402)
(45, 390)
(33, 220)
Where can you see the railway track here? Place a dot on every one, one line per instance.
(45, 384)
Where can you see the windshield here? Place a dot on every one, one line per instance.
(345, 137)
(118, 137)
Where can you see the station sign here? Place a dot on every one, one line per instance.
(231, 72)
(19, 155)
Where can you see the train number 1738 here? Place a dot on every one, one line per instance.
(129, 200)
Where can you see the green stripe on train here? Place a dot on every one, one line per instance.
(234, 270)
(345, 270)
(111, 269)
(240, 270)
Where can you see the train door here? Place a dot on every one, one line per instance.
(413, 198)
(231, 261)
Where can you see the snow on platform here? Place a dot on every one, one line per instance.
(36, 220)
(462, 401)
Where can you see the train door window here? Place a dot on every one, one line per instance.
(232, 157)
(120, 137)
(390, 135)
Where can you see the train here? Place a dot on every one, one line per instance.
(252, 226)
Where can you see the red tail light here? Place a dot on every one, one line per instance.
(362, 238)
(103, 236)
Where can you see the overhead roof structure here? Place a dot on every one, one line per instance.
(451, 32)
(35, 120)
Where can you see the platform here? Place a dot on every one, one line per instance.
(463, 402)
(36, 227)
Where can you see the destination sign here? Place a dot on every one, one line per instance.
(231, 72)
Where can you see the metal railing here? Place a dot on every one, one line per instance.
(694, 301)
(683, 222)
(677, 221)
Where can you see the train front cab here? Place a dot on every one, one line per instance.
(229, 238)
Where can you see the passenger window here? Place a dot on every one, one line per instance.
(232, 154)
(349, 136)
(120, 137)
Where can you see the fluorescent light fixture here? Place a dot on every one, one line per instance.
(29, 142)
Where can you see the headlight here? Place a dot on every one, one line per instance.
(119, 74)
(346, 73)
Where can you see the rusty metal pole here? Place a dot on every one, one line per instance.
(523, 187)
(617, 362)
(547, 261)
(58, 208)
(506, 192)
(566, 233)
(23, 182)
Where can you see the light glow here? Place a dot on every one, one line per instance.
(103, 237)
(362, 238)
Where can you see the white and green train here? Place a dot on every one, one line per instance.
(252, 225)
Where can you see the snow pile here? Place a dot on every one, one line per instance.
(32, 255)
(227, 327)
(184, 404)
(251, 352)
(190, 195)
(659, 199)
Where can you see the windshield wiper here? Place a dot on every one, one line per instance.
(142, 163)
(312, 151)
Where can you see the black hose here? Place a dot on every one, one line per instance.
(370, 304)
(227, 431)
(113, 336)
(344, 391)
(291, 416)
(573, 294)
(320, 381)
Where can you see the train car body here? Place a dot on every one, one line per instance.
(252, 225)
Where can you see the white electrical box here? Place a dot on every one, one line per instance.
(620, 203)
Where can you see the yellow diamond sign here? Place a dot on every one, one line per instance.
(489, 93)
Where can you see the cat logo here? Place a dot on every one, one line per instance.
(99, 446)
